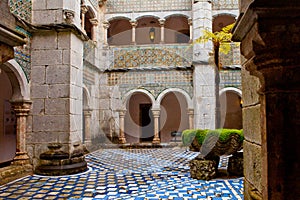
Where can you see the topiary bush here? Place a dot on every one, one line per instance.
(188, 136)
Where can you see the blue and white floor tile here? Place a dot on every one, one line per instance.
(135, 174)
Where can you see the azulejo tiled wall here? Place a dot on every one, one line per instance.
(230, 78)
(233, 57)
(151, 56)
(22, 53)
(114, 6)
(21, 8)
(153, 81)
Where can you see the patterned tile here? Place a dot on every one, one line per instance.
(128, 174)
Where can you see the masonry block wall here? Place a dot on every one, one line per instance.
(57, 79)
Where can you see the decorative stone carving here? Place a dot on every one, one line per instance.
(69, 16)
(101, 2)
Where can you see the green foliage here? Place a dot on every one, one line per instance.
(188, 136)
(223, 134)
(221, 40)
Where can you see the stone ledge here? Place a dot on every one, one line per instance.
(14, 172)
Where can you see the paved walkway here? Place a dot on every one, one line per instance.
(128, 174)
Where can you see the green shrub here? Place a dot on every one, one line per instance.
(223, 134)
(188, 136)
(201, 134)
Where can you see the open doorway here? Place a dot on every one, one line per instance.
(146, 123)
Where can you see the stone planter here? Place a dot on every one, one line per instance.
(205, 165)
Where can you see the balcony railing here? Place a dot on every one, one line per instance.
(114, 6)
(150, 56)
(225, 4)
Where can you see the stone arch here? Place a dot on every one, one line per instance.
(86, 97)
(231, 107)
(181, 91)
(177, 29)
(21, 89)
(119, 31)
(147, 25)
(147, 16)
(177, 15)
(232, 89)
(139, 121)
(174, 112)
(14, 107)
(143, 91)
(117, 18)
(221, 20)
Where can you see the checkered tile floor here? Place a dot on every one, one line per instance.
(128, 174)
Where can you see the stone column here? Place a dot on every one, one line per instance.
(162, 30)
(21, 109)
(156, 115)
(270, 41)
(190, 22)
(133, 24)
(84, 10)
(87, 123)
(105, 26)
(122, 137)
(94, 22)
(191, 118)
(205, 72)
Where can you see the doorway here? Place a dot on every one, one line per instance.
(146, 123)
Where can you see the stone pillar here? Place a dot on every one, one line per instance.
(162, 30)
(190, 22)
(56, 89)
(94, 22)
(191, 118)
(87, 123)
(205, 73)
(156, 115)
(122, 138)
(270, 41)
(105, 26)
(133, 24)
(21, 109)
(84, 10)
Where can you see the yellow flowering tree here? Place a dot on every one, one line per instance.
(221, 41)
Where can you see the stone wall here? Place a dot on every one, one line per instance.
(252, 132)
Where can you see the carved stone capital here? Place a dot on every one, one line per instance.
(84, 9)
(106, 24)
(161, 22)
(122, 113)
(94, 21)
(156, 113)
(21, 108)
(133, 23)
(190, 21)
(101, 2)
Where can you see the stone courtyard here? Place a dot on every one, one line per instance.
(160, 173)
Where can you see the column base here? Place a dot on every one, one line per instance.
(56, 162)
(122, 140)
(156, 141)
(21, 158)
